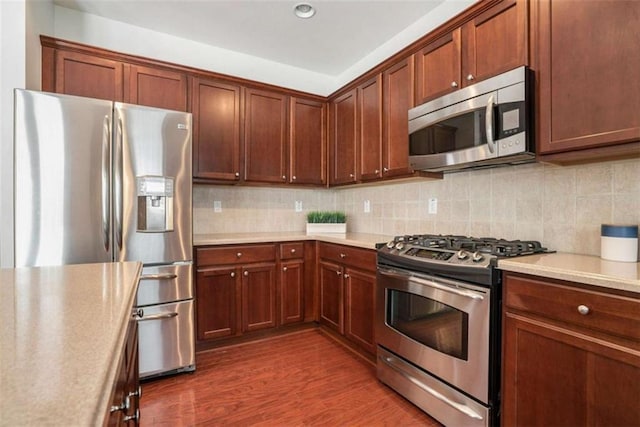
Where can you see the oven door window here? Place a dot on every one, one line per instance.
(457, 133)
(436, 325)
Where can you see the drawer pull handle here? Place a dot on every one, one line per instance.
(233, 274)
(338, 272)
(346, 276)
(239, 254)
(343, 255)
(246, 273)
(583, 309)
(293, 251)
(284, 268)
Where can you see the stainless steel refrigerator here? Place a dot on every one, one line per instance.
(98, 181)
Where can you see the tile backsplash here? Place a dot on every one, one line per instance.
(561, 206)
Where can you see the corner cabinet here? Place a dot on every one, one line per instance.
(587, 61)
(347, 280)
(571, 355)
(490, 43)
(216, 107)
(344, 139)
(307, 142)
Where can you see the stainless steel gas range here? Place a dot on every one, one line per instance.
(438, 323)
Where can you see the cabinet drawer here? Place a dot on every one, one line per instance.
(292, 250)
(235, 255)
(612, 314)
(347, 255)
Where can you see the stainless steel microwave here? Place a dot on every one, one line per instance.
(486, 124)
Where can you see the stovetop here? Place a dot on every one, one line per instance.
(463, 257)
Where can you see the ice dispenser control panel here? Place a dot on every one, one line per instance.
(155, 203)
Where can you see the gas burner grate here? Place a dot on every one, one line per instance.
(487, 245)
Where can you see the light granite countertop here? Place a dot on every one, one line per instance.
(361, 240)
(62, 333)
(587, 269)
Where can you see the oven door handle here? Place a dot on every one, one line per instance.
(460, 407)
(434, 284)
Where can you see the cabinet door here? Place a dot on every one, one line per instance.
(344, 139)
(265, 136)
(495, 41)
(156, 88)
(331, 296)
(556, 377)
(359, 308)
(398, 99)
(258, 297)
(90, 76)
(291, 291)
(587, 70)
(438, 67)
(216, 130)
(307, 151)
(217, 302)
(370, 126)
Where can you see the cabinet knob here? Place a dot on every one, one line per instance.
(139, 313)
(350, 175)
(135, 418)
(233, 274)
(237, 174)
(454, 84)
(377, 171)
(138, 392)
(339, 273)
(583, 309)
(293, 251)
(470, 77)
(294, 177)
(284, 177)
(385, 170)
(126, 404)
(346, 276)
(246, 273)
(239, 254)
(284, 268)
(343, 255)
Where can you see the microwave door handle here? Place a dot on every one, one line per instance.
(488, 122)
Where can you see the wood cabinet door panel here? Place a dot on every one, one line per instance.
(90, 76)
(258, 297)
(588, 61)
(156, 88)
(398, 84)
(291, 292)
(359, 303)
(495, 41)
(331, 296)
(216, 130)
(370, 125)
(438, 67)
(344, 139)
(307, 152)
(217, 302)
(265, 136)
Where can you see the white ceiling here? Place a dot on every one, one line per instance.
(340, 34)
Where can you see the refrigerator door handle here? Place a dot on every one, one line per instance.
(106, 226)
(118, 183)
(158, 276)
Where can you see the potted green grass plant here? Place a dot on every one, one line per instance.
(326, 222)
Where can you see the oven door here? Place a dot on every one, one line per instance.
(439, 325)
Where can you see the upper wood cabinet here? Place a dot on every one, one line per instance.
(587, 61)
(307, 142)
(369, 113)
(155, 87)
(265, 136)
(344, 139)
(490, 43)
(398, 90)
(216, 129)
(84, 75)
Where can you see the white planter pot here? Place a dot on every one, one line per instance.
(326, 228)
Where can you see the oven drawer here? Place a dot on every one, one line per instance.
(362, 258)
(612, 314)
(241, 254)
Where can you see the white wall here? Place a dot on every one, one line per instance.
(20, 67)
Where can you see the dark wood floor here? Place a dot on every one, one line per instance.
(304, 378)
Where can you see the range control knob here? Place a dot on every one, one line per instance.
(399, 246)
(463, 254)
(477, 257)
(391, 244)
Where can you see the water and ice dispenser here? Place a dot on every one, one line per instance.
(155, 203)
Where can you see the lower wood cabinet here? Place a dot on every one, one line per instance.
(347, 282)
(571, 356)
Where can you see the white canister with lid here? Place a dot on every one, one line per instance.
(619, 242)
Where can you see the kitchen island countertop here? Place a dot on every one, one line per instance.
(586, 269)
(62, 334)
(362, 240)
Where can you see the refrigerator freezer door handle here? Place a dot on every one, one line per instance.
(106, 226)
(158, 276)
(118, 184)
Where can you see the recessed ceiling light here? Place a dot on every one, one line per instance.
(304, 10)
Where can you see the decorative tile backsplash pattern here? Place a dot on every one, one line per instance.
(562, 206)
